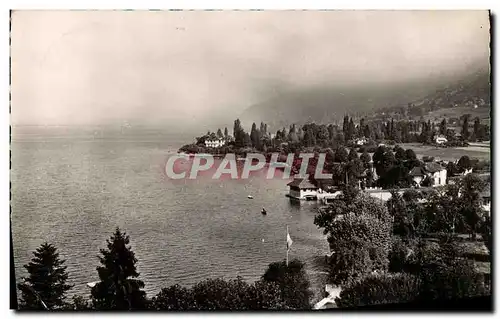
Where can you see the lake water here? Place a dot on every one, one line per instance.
(72, 188)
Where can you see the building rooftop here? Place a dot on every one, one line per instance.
(302, 184)
(417, 171)
(433, 167)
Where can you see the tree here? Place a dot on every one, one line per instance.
(351, 130)
(293, 283)
(173, 298)
(486, 232)
(443, 212)
(470, 203)
(464, 163)
(410, 154)
(446, 274)
(238, 134)
(465, 127)
(399, 153)
(379, 289)
(255, 137)
(341, 155)
(118, 288)
(46, 283)
(220, 294)
(478, 129)
(403, 222)
(353, 154)
(226, 133)
(367, 131)
(219, 133)
(442, 127)
(345, 126)
(451, 169)
(365, 158)
(359, 235)
(80, 303)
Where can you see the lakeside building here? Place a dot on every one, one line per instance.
(303, 189)
(218, 142)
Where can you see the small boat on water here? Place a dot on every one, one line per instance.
(250, 196)
(263, 211)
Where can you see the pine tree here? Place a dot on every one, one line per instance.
(367, 131)
(345, 126)
(46, 284)
(255, 136)
(465, 127)
(477, 129)
(118, 289)
(219, 133)
(442, 127)
(351, 130)
(226, 133)
(238, 134)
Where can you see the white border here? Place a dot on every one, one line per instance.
(187, 4)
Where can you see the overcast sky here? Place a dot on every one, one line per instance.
(89, 67)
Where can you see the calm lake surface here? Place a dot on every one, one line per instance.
(72, 187)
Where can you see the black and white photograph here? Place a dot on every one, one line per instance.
(250, 160)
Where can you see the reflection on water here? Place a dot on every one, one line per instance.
(74, 192)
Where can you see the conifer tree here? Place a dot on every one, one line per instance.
(118, 289)
(45, 287)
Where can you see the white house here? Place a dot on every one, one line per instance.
(434, 171)
(437, 173)
(440, 139)
(218, 142)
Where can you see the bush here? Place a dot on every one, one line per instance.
(292, 281)
(380, 289)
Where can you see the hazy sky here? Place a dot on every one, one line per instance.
(91, 67)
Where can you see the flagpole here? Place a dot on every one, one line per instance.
(287, 245)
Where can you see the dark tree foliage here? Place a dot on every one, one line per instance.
(353, 154)
(239, 134)
(46, 281)
(359, 236)
(442, 127)
(379, 289)
(219, 133)
(118, 288)
(403, 224)
(486, 232)
(80, 303)
(173, 298)
(399, 153)
(465, 127)
(365, 158)
(470, 202)
(220, 294)
(464, 163)
(341, 155)
(410, 154)
(445, 274)
(293, 283)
